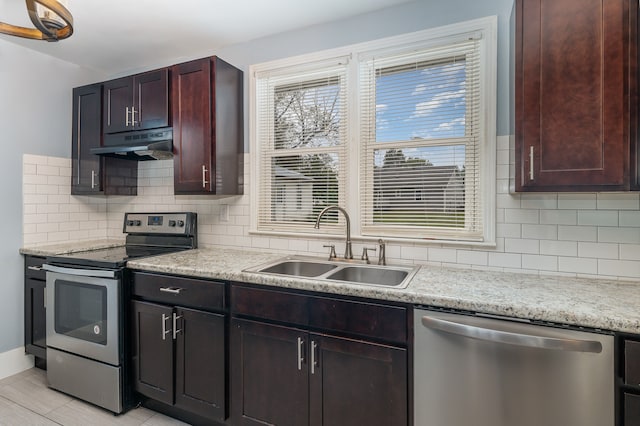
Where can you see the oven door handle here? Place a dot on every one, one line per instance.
(100, 273)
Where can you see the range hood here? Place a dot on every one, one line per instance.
(140, 145)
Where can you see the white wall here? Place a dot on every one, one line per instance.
(35, 117)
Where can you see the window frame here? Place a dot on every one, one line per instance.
(487, 27)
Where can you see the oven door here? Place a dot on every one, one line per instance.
(82, 312)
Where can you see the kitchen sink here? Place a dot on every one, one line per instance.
(388, 276)
(346, 272)
(300, 268)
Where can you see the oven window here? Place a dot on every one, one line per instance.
(81, 311)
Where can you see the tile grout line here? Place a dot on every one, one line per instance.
(29, 410)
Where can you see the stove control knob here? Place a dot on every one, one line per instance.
(137, 223)
(129, 223)
(172, 223)
(181, 223)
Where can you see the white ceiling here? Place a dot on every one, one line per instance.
(119, 35)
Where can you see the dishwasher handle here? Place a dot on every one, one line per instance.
(509, 338)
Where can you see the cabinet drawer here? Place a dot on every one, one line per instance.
(631, 409)
(33, 267)
(269, 304)
(632, 363)
(388, 323)
(179, 291)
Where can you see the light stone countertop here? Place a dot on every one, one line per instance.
(70, 247)
(601, 304)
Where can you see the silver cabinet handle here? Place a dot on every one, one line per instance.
(300, 357)
(204, 176)
(126, 117)
(133, 116)
(175, 325)
(509, 338)
(313, 357)
(172, 290)
(34, 268)
(531, 162)
(93, 179)
(164, 326)
(80, 272)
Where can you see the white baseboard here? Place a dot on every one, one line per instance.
(14, 361)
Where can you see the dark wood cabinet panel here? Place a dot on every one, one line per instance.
(91, 174)
(187, 292)
(632, 363)
(153, 360)
(575, 100)
(380, 322)
(207, 127)
(137, 102)
(86, 133)
(269, 375)
(35, 324)
(356, 383)
(631, 410)
(200, 385)
(270, 304)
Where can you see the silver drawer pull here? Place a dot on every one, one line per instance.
(175, 325)
(172, 290)
(34, 268)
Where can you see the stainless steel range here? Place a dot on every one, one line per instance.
(86, 295)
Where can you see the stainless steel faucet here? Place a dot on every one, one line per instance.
(348, 254)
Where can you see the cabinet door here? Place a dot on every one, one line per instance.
(192, 131)
(573, 63)
(200, 363)
(86, 133)
(153, 351)
(118, 103)
(151, 100)
(269, 374)
(35, 330)
(631, 409)
(356, 383)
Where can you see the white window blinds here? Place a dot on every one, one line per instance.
(420, 140)
(301, 132)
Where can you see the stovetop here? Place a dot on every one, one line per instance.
(148, 234)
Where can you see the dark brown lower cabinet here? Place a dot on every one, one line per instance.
(631, 410)
(179, 357)
(288, 376)
(35, 313)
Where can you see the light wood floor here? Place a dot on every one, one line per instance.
(25, 400)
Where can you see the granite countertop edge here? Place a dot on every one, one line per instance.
(597, 304)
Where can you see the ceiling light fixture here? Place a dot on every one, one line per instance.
(51, 18)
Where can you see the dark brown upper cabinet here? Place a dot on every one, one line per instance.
(207, 127)
(137, 102)
(576, 95)
(91, 174)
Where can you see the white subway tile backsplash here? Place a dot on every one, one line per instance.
(598, 250)
(585, 201)
(505, 260)
(519, 245)
(629, 218)
(598, 217)
(521, 216)
(577, 233)
(540, 232)
(559, 248)
(577, 265)
(558, 217)
(595, 235)
(619, 235)
(539, 262)
(616, 201)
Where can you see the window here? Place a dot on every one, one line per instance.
(400, 132)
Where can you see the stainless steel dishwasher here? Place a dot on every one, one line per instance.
(475, 370)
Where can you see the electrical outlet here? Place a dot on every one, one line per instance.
(224, 213)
